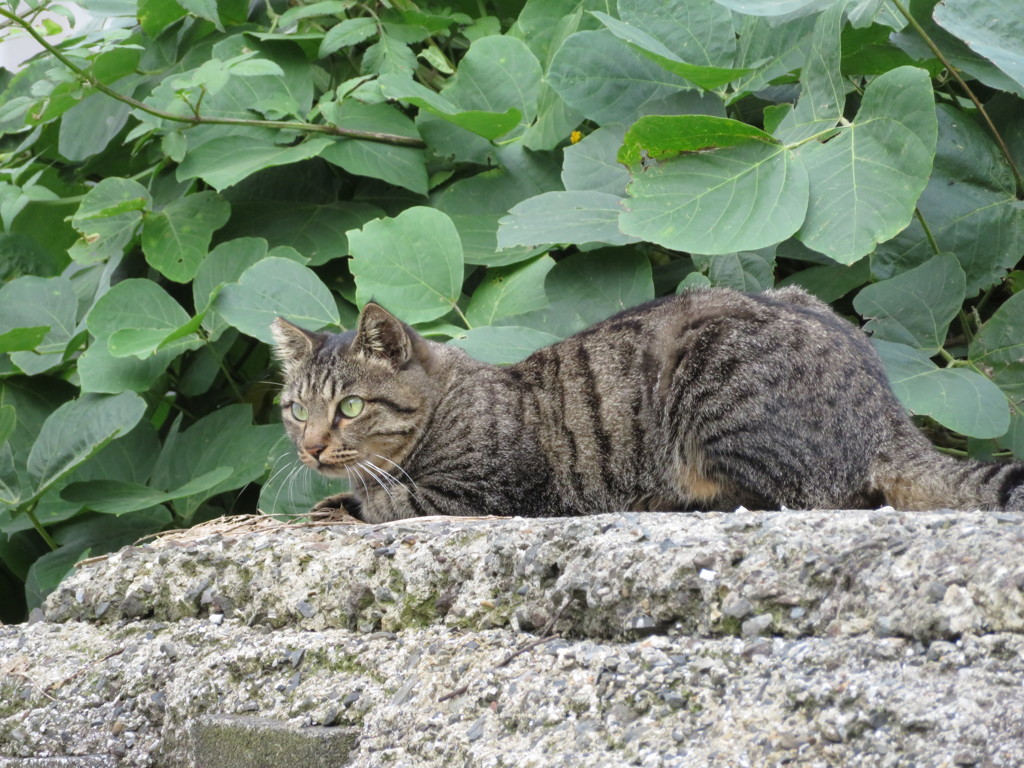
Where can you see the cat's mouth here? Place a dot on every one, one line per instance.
(336, 464)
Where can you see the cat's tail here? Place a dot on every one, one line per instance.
(916, 476)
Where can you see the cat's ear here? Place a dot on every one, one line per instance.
(291, 343)
(383, 336)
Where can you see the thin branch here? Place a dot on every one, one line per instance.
(331, 130)
(1018, 180)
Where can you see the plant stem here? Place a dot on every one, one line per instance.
(927, 231)
(196, 119)
(30, 510)
(1018, 180)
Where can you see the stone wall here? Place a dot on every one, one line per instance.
(818, 638)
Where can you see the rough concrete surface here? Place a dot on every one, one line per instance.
(743, 639)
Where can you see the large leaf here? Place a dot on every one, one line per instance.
(175, 239)
(412, 263)
(274, 287)
(993, 29)
(224, 264)
(962, 400)
(998, 348)
(315, 230)
(226, 160)
(587, 287)
(915, 307)
(498, 73)
(224, 438)
(507, 291)
(490, 125)
(969, 206)
(117, 497)
(591, 164)
(821, 83)
(77, 430)
(87, 128)
(866, 181)
(32, 303)
(107, 219)
(744, 196)
(501, 345)
(564, 217)
(403, 166)
(135, 317)
(602, 77)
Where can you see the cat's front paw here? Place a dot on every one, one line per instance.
(344, 504)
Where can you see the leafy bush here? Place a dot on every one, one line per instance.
(501, 175)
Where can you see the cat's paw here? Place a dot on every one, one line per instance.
(339, 505)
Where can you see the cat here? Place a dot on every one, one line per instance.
(708, 400)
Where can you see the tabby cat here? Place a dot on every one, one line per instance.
(709, 400)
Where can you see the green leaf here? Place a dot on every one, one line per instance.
(502, 344)
(866, 180)
(107, 219)
(484, 123)
(830, 282)
(773, 7)
(770, 50)
(993, 29)
(224, 264)
(564, 217)
(224, 161)
(274, 287)
(738, 198)
(22, 339)
(116, 497)
(657, 137)
(998, 348)
(77, 430)
(135, 317)
(88, 127)
(176, 238)
(8, 420)
(588, 287)
(204, 9)
(497, 74)
(694, 30)
(389, 56)
(744, 271)
(402, 166)
(10, 484)
(314, 230)
(962, 400)
(602, 77)
(224, 438)
(103, 373)
(412, 263)
(917, 306)
(157, 15)
(507, 291)
(347, 33)
(822, 94)
(591, 164)
(322, 8)
(652, 48)
(30, 304)
(970, 207)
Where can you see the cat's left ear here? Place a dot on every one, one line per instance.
(291, 343)
(383, 336)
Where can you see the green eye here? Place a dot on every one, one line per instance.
(299, 412)
(351, 406)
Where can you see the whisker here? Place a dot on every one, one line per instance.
(396, 466)
(376, 473)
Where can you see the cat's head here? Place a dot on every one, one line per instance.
(355, 398)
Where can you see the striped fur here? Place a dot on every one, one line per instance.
(707, 400)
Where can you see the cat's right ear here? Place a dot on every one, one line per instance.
(383, 336)
(291, 343)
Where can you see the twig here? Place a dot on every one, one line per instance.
(81, 669)
(195, 119)
(1018, 181)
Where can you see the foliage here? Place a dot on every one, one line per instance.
(175, 174)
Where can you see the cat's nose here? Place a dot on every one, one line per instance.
(315, 450)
